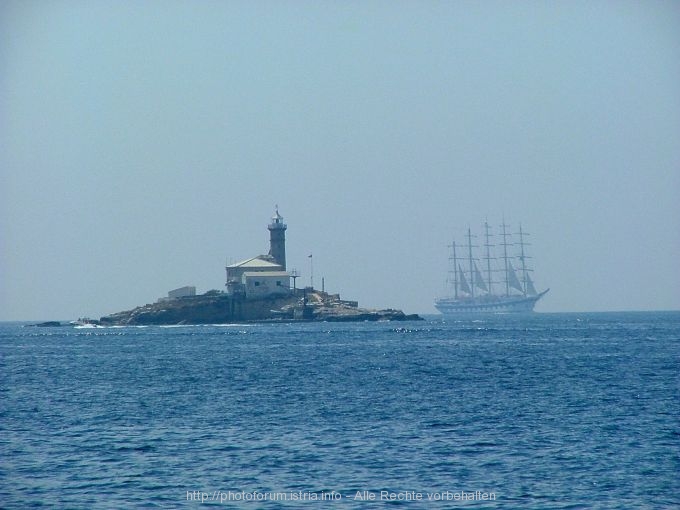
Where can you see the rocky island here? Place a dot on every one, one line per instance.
(217, 307)
(257, 290)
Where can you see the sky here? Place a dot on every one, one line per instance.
(143, 145)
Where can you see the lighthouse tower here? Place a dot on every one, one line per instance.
(277, 239)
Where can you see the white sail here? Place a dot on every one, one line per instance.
(512, 278)
(531, 290)
(463, 282)
(479, 281)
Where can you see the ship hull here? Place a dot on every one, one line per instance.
(488, 304)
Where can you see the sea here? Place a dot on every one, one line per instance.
(556, 411)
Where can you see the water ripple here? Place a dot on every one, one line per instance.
(557, 411)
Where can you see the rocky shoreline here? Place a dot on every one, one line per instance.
(216, 307)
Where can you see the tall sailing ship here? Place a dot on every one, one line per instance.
(473, 292)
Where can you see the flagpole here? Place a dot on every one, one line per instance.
(311, 270)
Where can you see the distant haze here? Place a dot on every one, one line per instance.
(144, 144)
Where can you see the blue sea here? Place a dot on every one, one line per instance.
(536, 411)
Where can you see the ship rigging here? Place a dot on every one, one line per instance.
(473, 293)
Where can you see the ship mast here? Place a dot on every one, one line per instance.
(453, 258)
(472, 269)
(523, 257)
(505, 245)
(488, 256)
(455, 271)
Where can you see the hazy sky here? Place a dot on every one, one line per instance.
(143, 144)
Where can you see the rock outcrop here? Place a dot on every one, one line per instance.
(218, 308)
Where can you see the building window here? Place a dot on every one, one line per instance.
(257, 284)
(278, 283)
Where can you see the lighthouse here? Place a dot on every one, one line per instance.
(277, 239)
